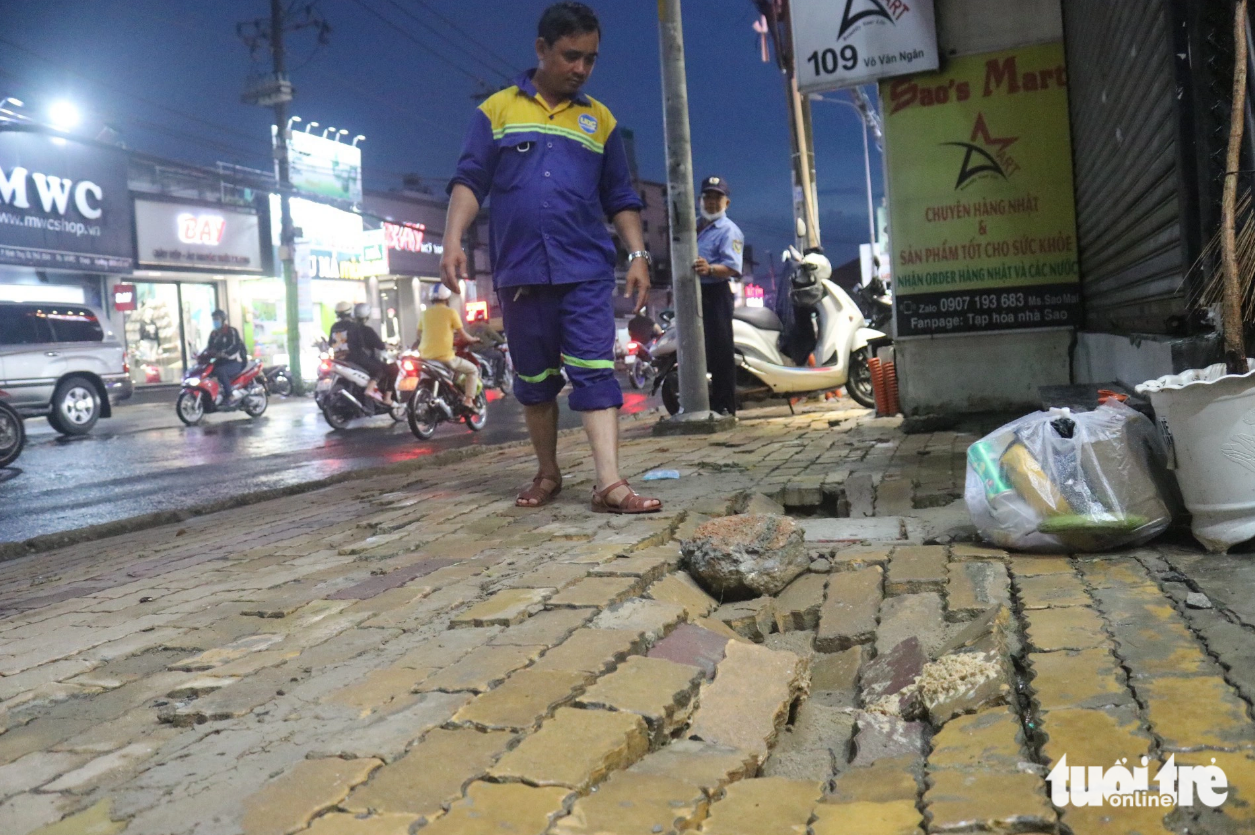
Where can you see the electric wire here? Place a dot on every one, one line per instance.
(505, 62)
(420, 44)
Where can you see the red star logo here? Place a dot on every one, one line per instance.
(981, 131)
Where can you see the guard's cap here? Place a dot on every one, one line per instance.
(716, 184)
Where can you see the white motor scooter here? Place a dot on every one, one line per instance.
(844, 342)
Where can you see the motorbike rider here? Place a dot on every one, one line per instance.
(364, 344)
(338, 337)
(720, 247)
(226, 346)
(440, 326)
(641, 328)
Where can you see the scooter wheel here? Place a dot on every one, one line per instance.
(190, 407)
(422, 423)
(859, 383)
(671, 392)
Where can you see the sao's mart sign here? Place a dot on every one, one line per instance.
(64, 204)
(980, 195)
(844, 43)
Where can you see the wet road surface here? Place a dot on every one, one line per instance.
(144, 460)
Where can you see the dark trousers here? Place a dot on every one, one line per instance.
(717, 304)
(226, 371)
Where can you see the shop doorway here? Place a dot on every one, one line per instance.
(169, 327)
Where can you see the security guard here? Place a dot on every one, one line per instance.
(553, 162)
(720, 249)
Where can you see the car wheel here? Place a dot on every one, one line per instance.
(12, 435)
(859, 384)
(76, 405)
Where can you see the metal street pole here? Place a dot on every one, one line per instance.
(287, 234)
(867, 170)
(694, 394)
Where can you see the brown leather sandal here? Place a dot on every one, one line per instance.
(538, 494)
(631, 503)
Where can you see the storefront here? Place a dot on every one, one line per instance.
(328, 238)
(188, 254)
(65, 218)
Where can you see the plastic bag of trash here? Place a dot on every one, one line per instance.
(1063, 481)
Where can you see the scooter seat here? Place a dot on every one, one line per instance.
(762, 318)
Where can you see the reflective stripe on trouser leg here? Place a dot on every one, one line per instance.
(533, 332)
(587, 330)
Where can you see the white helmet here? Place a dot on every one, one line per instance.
(441, 293)
(361, 310)
(344, 309)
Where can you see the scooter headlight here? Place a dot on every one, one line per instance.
(192, 381)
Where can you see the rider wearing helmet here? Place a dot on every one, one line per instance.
(339, 335)
(226, 346)
(364, 343)
(441, 324)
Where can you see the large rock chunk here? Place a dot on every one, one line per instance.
(740, 557)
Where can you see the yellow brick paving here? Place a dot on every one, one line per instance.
(410, 653)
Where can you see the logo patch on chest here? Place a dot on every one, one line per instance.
(588, 123)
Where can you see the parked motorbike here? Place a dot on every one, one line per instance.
(496, 368)
(640, 363)
(876, 302)
(763, 371)
(278, 380)
(436, 398)
(12, 433)
(341, 395)
(201, 393)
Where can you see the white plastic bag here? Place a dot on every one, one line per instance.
(1063, 481)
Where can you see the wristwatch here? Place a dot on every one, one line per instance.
(640, 253)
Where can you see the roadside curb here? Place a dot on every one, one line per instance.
(105, 530)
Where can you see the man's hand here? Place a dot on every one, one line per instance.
(702, 266)
(453, 267)
(638, 281)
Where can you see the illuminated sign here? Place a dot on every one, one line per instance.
(477, 311)
(410, 238)
(325, 167)
(201, 229)
(753, 295)
(124, 298)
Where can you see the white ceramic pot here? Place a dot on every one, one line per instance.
(1207, 418)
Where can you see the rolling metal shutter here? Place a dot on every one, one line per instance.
(1125, 133)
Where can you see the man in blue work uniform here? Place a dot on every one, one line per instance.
(553, 163)
(720, 247)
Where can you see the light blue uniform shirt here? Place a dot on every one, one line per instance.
(721, 242)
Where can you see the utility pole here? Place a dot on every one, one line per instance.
(694, 393)
(276, 90)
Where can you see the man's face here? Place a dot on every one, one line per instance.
(714, 202)
(218, 323)
(565, 66)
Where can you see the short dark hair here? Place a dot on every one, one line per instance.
(562, 19)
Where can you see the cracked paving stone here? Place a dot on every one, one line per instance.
(209, 659)
(103, 766)
(1088, 678)
(431, 775)
(975, 585)
(576, 749)
(848, 616)
(797, 607)
(916, 568)
(748, 703)
(887, 781)
(495, 808)
(548, 628)
(764, 806)
(505, 608)
(912, 615)
(653, 618)
(899, 817)
(990, 740)
(808, 748)
(526, 698)
(1196, 712)
(595, 592)
(962, 801)
(289, 802)
(1035, 566)
(693, 645)
(648, 566)
(631, 802)
(592, 651)
(95, 820)
(703, 764)
(751, 619)
(1093, 737)
(439, 651)
(1075, 627)
(338, 823)
(550, 576)
(682, 590)
(481, 669)
(1051, 591)
(878, 736)
(387, 737)
(661, 692)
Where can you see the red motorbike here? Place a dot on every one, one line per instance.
(201, 393)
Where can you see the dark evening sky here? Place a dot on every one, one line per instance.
(168, 74)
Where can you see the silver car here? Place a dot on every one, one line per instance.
(62, 361)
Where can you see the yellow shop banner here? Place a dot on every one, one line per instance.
(983, 218)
